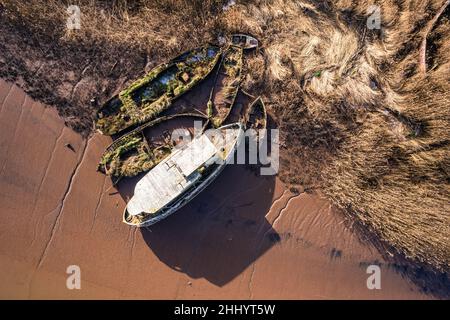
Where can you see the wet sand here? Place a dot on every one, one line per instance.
(244, 237)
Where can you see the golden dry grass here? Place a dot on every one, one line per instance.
(358, 116)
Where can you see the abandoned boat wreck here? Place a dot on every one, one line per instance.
(256, 116)
(147, 97)
(141, 149)
(226, 85)
(181, 176)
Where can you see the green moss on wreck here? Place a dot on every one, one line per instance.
(154, 94)
(231, 66)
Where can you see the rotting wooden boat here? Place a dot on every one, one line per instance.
(147, 97)
(134, 152)
(256, 116)
(184, 174)
(245, 41)
(226, 85)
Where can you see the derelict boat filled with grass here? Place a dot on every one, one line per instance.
(138, 151)
(256, 116)
(147, 97)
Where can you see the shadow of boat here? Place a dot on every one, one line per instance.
(219, 233)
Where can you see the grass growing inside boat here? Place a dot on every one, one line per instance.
(133, 155)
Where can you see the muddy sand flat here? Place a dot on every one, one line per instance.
(244, 237)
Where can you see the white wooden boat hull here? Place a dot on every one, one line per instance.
(193, 191)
